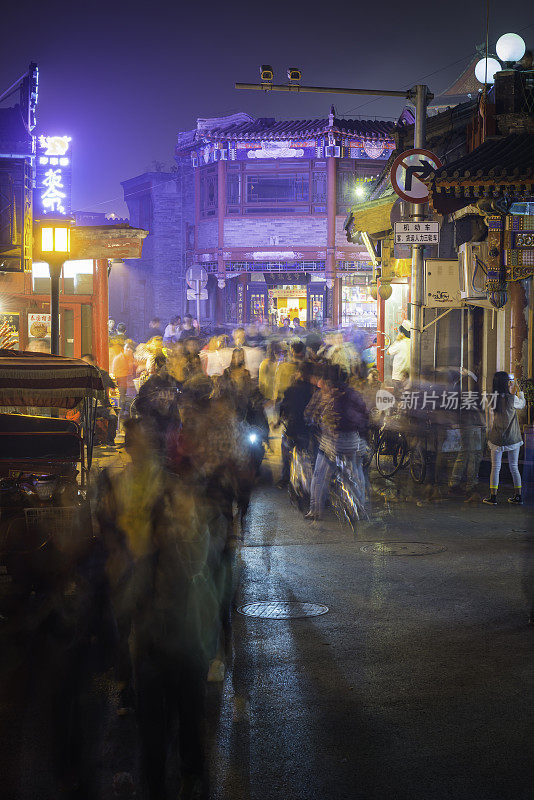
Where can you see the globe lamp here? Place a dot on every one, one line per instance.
(510, 47)
(486, 68)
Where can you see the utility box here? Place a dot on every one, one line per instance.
(442, 283)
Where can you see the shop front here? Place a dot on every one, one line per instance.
(358, 307)
(82, 327)
(277, 297)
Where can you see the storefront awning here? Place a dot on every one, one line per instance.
(498, 169)
(373, 217)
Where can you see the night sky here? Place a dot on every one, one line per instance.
(123, 78)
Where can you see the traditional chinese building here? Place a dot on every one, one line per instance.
(260, 204)
(271, 198)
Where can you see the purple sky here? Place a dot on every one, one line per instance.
(123, 78)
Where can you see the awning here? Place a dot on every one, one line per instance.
(373, 217)
(498, 169)
(42, 380)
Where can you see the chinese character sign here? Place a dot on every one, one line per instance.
(53, 175)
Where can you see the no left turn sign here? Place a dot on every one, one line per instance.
(409, 171)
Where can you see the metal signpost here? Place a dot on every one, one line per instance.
(408, 173)
(420, 96)
(197, 280)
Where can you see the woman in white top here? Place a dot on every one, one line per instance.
(504, 434)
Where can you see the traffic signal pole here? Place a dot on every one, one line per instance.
(420, 95)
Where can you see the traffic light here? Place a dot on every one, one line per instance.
(294, 74)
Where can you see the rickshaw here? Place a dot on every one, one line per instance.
(34, 444)
(45, 517)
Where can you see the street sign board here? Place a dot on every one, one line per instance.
(195, 274)
(409, 171)
(417, 233)
(192, 295)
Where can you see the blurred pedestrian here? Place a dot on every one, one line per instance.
(400, 350)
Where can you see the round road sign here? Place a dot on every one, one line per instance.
(196, 274)
(409, 171)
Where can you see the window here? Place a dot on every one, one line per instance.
(208, 192)
(346, 183)
(278, 188)
(319, 187)
(233, 188)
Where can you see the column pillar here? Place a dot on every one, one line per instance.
(197, 221)
(55, 276)
(330, 271)
(101, 300)
(380, 331)
(221, 266)
(518, 303)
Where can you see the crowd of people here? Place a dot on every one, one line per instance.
(197, 413)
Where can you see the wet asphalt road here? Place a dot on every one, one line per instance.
(416, 685)
(418, 682)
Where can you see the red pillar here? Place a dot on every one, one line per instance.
(221, 266)
(380, 332)
(330, 273)
(518, 338)
(101, 314)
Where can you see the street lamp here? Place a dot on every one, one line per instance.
(485, 70)
(53, 245)
(510, 48)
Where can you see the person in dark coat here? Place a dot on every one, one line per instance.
(296, 430)
(343, 431)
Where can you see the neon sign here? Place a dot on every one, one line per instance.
(53, 175)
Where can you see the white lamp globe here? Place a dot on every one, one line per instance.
(485, 74)
(510, 47)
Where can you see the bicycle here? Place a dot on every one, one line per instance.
(394, 452)
(347, 492)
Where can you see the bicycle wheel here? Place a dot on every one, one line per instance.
(418, 463)
(390, 453)
(371, 448)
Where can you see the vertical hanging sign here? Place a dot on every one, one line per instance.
(53, 175)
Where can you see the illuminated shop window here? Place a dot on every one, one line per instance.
(77, 277)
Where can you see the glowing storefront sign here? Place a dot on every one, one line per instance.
(53, 175)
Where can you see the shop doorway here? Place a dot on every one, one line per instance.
(287, 301)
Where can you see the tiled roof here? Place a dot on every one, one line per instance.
(268, 128)
(510, 158)
(466, 83)
(498, 168)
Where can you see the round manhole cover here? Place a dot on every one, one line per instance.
(402, 548)
(278, 609)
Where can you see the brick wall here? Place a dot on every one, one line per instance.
(207, 234)
(294, 231)
(155, 284)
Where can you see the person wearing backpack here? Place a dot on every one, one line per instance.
(504, 434)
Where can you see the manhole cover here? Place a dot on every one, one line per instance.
(402, 548)
(278, 609)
